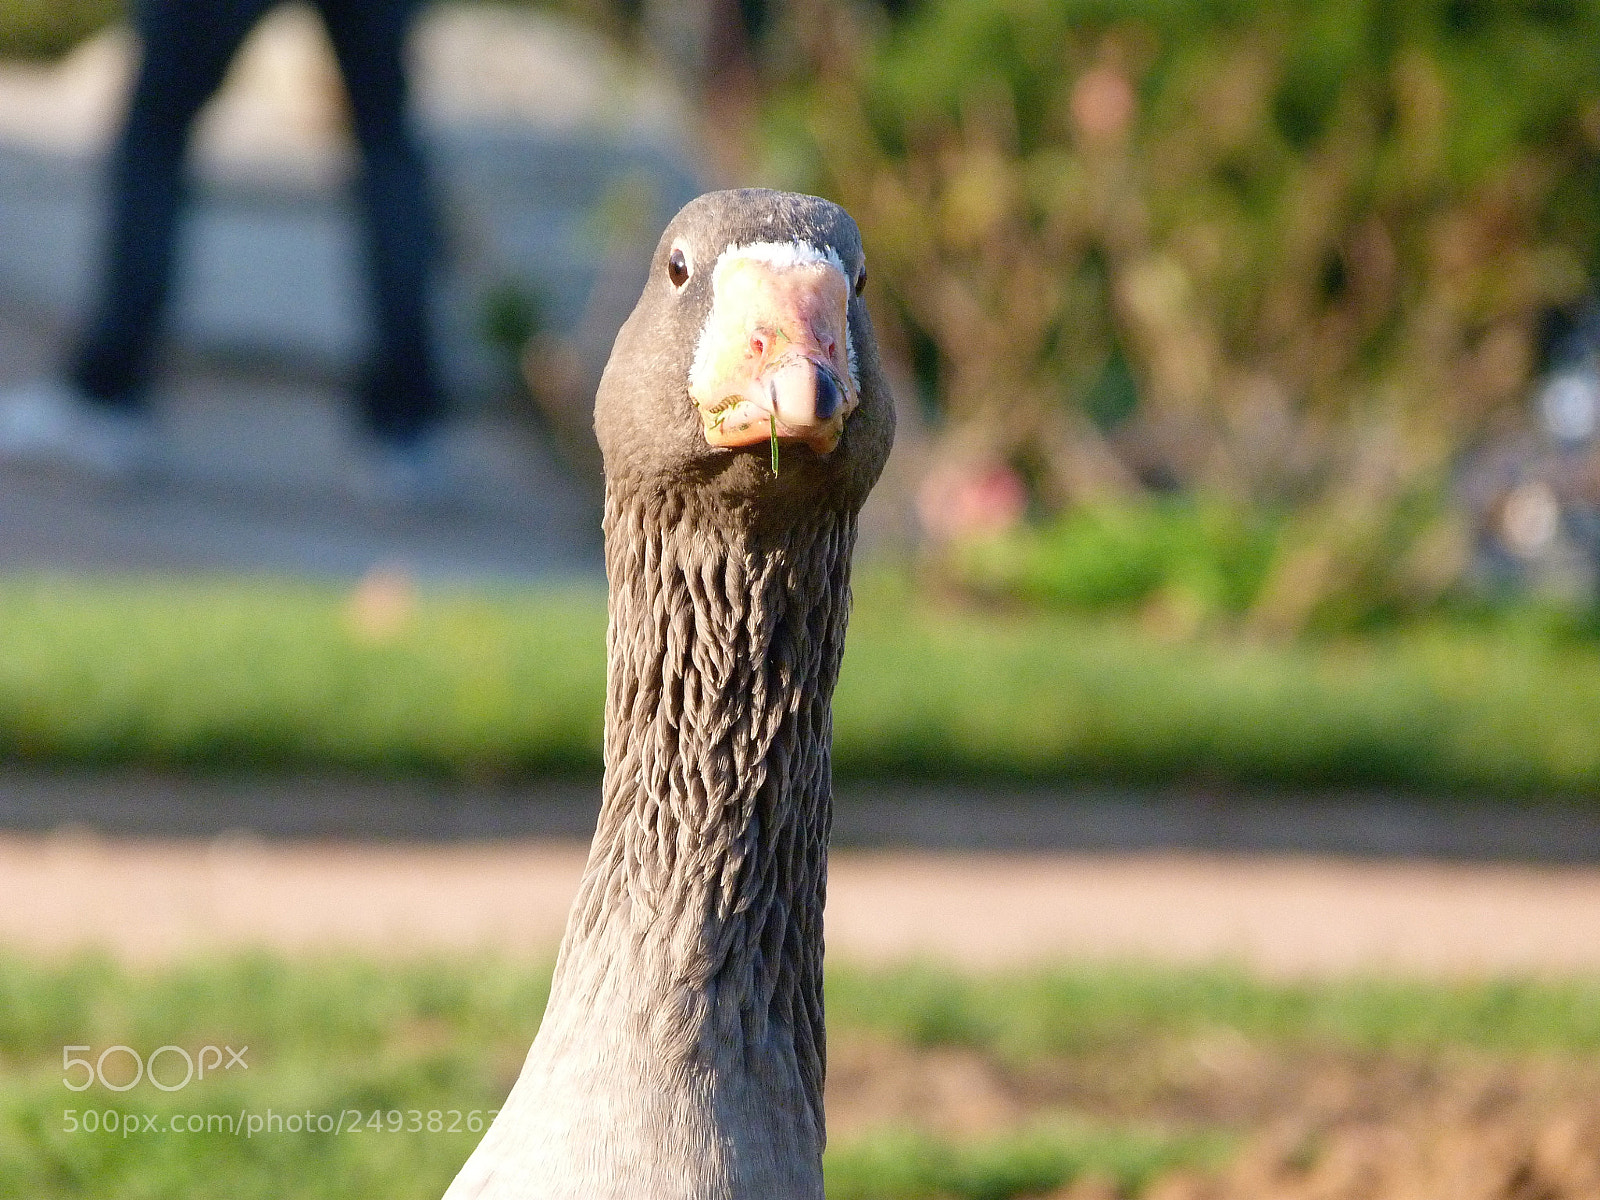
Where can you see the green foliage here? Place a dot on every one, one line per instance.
(511, 312)
(1210, 560)
(46, 29)
(325, 1036)
(1086, 1010)
(902, 1165)
(1313, 237)
(249, 677)
(929, 692)
(340, 1035)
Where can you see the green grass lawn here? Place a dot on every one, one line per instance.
(341, 1036)
(253, 675)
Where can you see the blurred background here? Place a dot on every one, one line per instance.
(1246, 359)
(1219, 734)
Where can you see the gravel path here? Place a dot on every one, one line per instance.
(158, 899)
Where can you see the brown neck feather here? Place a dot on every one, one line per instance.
(710, 860)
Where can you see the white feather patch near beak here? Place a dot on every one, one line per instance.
(774, 358)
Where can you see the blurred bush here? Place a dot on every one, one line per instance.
(1181, 563)
(45, 29)
(1281, 255)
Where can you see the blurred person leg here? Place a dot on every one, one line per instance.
(186, 48)
(99, 417)
(401, 401)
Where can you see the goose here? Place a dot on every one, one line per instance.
(742, 418)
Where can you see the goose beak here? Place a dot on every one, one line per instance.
(773, 358)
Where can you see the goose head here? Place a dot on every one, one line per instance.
(748, 370)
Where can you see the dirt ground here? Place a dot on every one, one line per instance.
(159, 899)
(1311, 1124)
(1426, 1129)
(1314, 1125)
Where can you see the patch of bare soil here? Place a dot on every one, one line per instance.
(1313, 1124)
(950, 1090)
(1497, 1139)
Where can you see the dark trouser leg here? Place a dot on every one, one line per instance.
(401, 398)
(187, 45)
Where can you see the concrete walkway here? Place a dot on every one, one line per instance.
(260, 480)
(550, 150)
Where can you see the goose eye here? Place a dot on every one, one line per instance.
(861, 280)
(677, 268)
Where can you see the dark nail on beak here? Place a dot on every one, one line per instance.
(830, 399)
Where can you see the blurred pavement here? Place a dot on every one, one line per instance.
(155, 900)
(259, 481)
(146, 803)
(554, 157)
